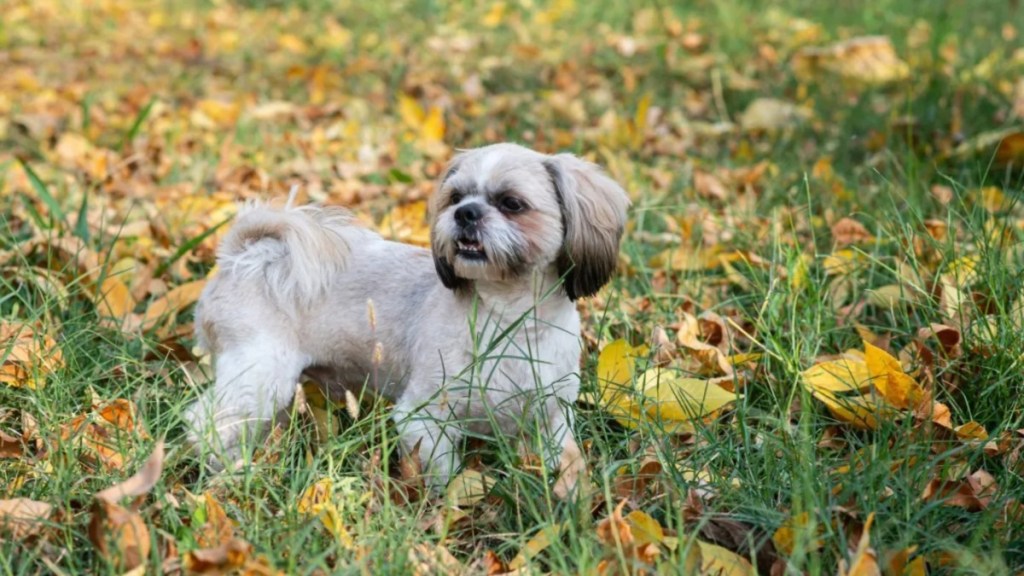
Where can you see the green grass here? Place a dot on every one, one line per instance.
(764, 461)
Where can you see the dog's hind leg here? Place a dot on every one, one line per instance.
(254, 380)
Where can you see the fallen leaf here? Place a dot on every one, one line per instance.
(888, 378)
(848, 231)
(723, 562)
(972, 494)
(407, 223)
(427, 560)
(771, 114)
(120, 533)
(866, 60)
(21, 517)
(537, 544)
(165, 308)
(29, 356)
(864, 559)
(468, 488)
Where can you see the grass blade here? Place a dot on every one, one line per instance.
(44, 193)
(137, 124)
(81, 225)
(184, 248)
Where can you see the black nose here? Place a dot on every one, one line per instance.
(468, 214)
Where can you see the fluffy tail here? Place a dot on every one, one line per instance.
(298, 251)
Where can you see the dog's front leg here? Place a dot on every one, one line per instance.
(436, 436)
(252, 384)
(561, 452)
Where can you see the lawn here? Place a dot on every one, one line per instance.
(822, 270)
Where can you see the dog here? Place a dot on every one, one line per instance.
(480, 334)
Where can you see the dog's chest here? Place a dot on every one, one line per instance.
(515, 370)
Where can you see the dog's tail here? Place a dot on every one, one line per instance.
(297, 250)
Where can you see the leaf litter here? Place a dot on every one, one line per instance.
(119, 191)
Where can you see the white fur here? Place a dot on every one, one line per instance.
(498, 352)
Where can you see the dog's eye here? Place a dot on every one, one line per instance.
(455, 198)
(511, 204)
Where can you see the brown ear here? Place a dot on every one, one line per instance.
(445, 270)
(594, 214)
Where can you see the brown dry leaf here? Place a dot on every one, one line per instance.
(898, 563)
(121, 533)
(866, 60)
(218, 529)
(427, 560)
(100, 434)
(973, 494)
(223, 559)
(709, 186)
(713, 360)
(636, 537)
(848, 231)
(864, 559)
(11, 446)
(28, 355)
(21, 517)
(164, 310)
(664, 350)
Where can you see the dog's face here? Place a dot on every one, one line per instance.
(503, 211)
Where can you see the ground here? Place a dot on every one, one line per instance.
(809, 360)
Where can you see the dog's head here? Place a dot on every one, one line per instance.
(503, 211)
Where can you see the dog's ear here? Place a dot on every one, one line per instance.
(594, 214)
(445, 270)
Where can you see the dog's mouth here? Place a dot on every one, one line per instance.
(470, 249)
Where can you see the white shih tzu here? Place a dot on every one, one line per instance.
(479, 334)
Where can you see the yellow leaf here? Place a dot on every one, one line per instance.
(645, 529)
(843, 375)
(718, 560)
(841, 262)
(866, 60)
(468, 488)
(407, 223)
(891, 296)
(432, 129)
(494, 16)
(291, 43)
(860, 411)
(318, 500)
(681, 399)
(215, 113)
(410, 111)
(888, 378)
(536, 545)
(315, 496)
(687, 260)
(640, 120)
(114, 298)
(962, 272)
(971, 431)
(785, 537)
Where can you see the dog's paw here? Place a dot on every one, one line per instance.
(572, 471)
